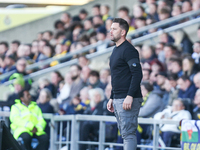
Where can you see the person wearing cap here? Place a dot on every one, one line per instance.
(27, 122)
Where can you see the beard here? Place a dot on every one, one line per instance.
(74, 77)
(115, 39)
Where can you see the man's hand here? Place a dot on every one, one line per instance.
(127, 103)
(34, 130)
(110, 105)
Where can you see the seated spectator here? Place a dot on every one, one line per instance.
(152, 104)
(66, 19)
(85, 72)
(84, 96)
(147, 54)
(196, 80)
(75, 107)
(189, 67)
(177, 113)
(196, 52)
(27, 122)
(163, 14)
(146, 74)
(9, 63)
(196, 110)
(104, 11)
(104, 73)
(157, 66)
(13, 49)
(65, 90)
(94, 81)
(96, 10)
(186, 87)
(166, 38)
(89, 129)
(186, 6)
(174, 66)
(153, 11)
(159, 51)
(3, 48)
(183, 40)
(56, 78)
(81, 16)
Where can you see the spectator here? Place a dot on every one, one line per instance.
(196, 52)
(89, 129)
(66, 19)
(146, 74)
(189, 67)
(13, 48)
(183, 40)
(26, 111)
(84, 96)
(186, 6)
(166, 38)
(157, 66)
(196, 80)
(174, 66)
(104, 11)
(77, 82)
(196, 110)
(138, 12)
(96, 10)
(59, 25)
(3, 48)
(123, 12)
(97, 21)
(163, 14)
(9, 63)
(147, 53)
(171, 87)
(65, 90)
(169, 51)
(176, 10)
(186, 88)
(35, 50)
(81, 16)
(176, 113)
(152, 13)
(160, 52)
(94, 81)
(85, 72)
(101, 37)
(104, 73)
(83, 61)
(88, 26)
(56, 78)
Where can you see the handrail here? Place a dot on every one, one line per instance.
(134, 41)
(87, 48)
(75, 126)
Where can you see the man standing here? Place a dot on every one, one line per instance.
(27, 122)
(126, 75)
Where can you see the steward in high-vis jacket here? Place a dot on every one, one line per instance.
(27, 121)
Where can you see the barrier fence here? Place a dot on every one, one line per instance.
(64, 131)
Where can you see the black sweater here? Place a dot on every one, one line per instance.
(126, 76)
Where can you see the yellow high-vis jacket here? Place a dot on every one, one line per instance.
(24, 119)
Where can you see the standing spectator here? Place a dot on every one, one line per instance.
(27, 122)
(186, 88)
(66, 19)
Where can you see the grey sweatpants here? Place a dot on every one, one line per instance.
(127, 121)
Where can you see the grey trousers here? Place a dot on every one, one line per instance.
(127, 121)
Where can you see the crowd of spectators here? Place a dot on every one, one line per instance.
(171, 74)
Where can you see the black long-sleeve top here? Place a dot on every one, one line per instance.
(126, 72)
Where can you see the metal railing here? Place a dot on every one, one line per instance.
(87, 48)
(72, 128)
(93, 55)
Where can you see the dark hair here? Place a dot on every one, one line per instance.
(57, 23)
(16, 42)
(122, 23)
(4, 43)
(96, 5)
(58, 74)
(83, 11)
(50, 32)
(171, 46)
(124, 8)
(175, 59)
(21, 93)
(164, 11)
(184, 77)
(58, 34)
(94, 73)
(172, 76)
(147, 86)
(78, 66)
(68, 14)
